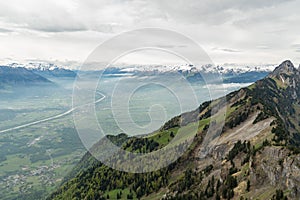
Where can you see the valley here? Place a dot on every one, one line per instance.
(149, 100)
(39, 144)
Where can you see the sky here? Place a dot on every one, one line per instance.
(229, 31)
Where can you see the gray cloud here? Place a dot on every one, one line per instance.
(44, 16)
(54, 16)
(226, 50)
(57, 28)
(4, 30)
(170, 46)
(72, 16)
(213, 11)
(263, 30)
(230, 50)
(296, 47)
(262, 47)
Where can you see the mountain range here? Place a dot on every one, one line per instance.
(131, 68)
(42, 72)
(15, 75)
(206, 68)
(45, 69)
(10, 77)
(254, 153)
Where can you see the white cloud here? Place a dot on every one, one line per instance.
(258, 31)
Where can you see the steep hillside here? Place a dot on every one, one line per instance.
(255, 155)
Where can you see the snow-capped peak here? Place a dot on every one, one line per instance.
(209, 68)
(42, 66)
(156, 68)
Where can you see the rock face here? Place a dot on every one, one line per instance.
(286, 67)
(274, 166)
(287, 74)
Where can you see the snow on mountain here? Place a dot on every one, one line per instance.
(42, 66)
(209, 68)
(238, 68)
(44, 69)
(156, 68)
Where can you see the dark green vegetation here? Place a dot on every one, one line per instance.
(256, 156)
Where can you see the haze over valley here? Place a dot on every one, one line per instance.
(149, 100)
(39, 143)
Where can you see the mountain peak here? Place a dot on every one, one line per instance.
(287, 64)
(285, 67)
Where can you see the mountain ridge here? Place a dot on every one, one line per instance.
(254, 155)
(20, 76)
(285, 67)
(128, 68)
(45, 69)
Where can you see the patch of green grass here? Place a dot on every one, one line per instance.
(245, 169)
(186, 132)
(113, 193)
(164, 137)
(279, 83)
(252, 86)
(13, 163)
(258, 146)
(231, 110)
(267, 194)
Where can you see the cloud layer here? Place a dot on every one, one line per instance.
(229, 30)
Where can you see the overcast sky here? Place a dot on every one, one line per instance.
(230, 31)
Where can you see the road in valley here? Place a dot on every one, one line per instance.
(50, 118)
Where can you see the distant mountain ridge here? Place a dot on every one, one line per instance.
(45, 69)
(208, 68)
(147, 68)
(255, 155)
(229, 74)
(20, 76)
(225, 69)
